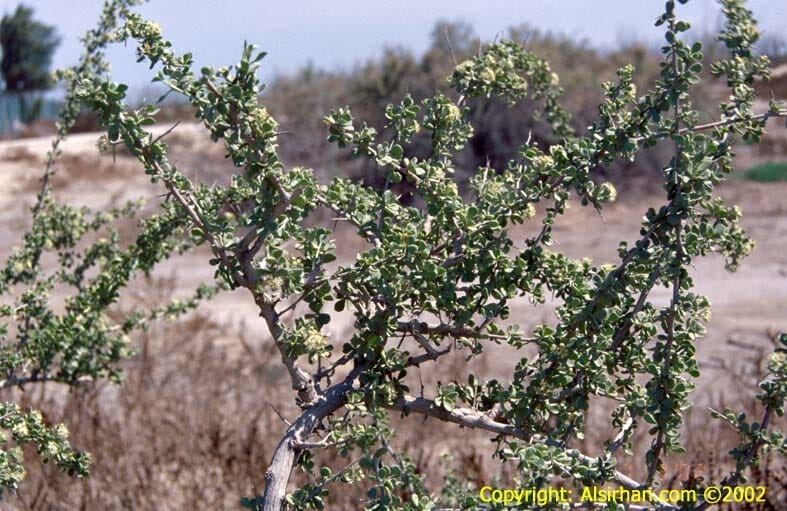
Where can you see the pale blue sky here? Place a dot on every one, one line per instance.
(333, 33)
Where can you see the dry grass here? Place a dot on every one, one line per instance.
(196, 420)
(190, 427)
(20, 154)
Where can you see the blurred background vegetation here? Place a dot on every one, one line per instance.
(300, 100)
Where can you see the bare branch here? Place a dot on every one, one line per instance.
(470, 418)
(419, 327)
(370, 236)
(301, 380)
(433, 352)
(621, 436)
(278, 473)
(718, 124)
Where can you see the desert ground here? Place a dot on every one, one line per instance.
(747, 305)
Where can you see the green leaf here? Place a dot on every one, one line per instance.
(397, 152)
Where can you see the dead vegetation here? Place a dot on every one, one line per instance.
(20, 154)
(195, 422)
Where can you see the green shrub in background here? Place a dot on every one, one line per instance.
(767, 172)
(499, 127)
(430, 281)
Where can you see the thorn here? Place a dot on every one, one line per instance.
(285, 421)
(166, 133)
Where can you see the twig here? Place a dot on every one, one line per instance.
(277, 412)
(659, 445)
(470, 418)
(160, 137)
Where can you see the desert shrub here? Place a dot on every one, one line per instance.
(499, 127)
(431, 286)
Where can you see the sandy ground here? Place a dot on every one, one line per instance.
(746, 304)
